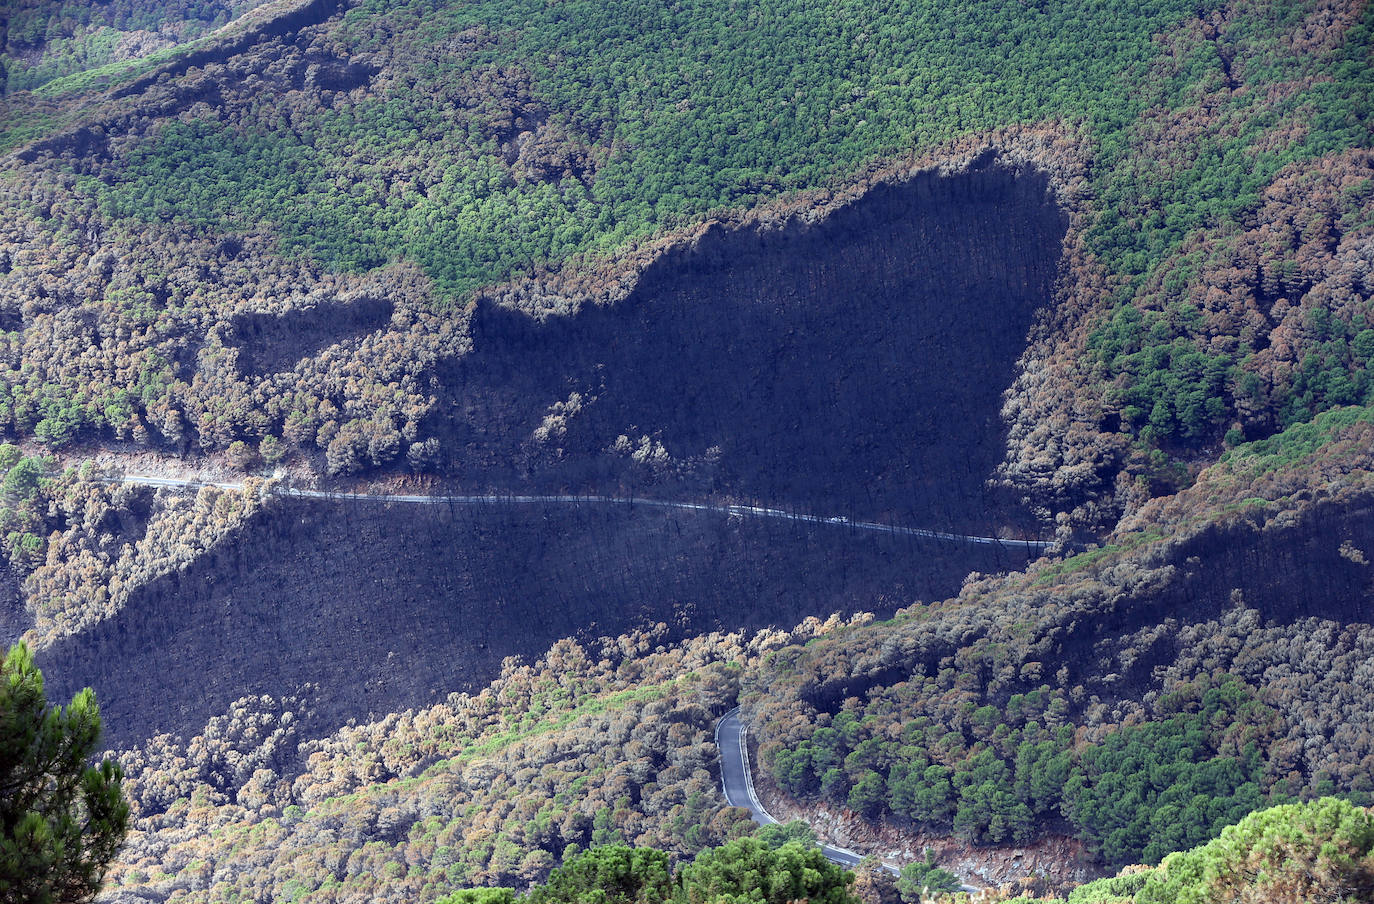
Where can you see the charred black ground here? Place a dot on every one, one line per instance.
(851, 368)
(381, 609)
(854, 367)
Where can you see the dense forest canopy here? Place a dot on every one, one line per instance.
(274, 232)
(1321, 851)
(53, 46)
(647, 116)
(1214, 160)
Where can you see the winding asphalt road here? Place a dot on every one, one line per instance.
(737, 782)
(731, 734)
(742, 511)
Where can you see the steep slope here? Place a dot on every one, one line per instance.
(1239, 608)
(1216, 253)
(852, 366)
(1042, 668)
(365, 609)
(701, 383)
(857, 257)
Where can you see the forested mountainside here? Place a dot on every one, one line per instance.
(1212, 662)
(45, 42)
(1321, 851)
(307, 158)
(1101, 273)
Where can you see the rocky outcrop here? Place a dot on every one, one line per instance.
(1058, 861)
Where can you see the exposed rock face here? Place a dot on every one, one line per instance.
(855, 366)
(1057, 860)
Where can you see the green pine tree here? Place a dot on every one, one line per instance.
(61, 819)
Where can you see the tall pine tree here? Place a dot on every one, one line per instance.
(61, 819)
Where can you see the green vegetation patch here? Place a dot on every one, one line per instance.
(1295, 444)
(657, 114)
(1141, 792)
(745, 869)
(1319, 851)
(529, 727)
(508, 134)
(67, 46)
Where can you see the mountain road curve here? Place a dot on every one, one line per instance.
(737, 784)
(730, 510)
(731, 733)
